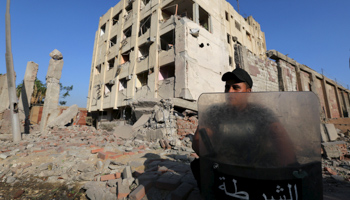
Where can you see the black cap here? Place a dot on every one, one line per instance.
(239, 74)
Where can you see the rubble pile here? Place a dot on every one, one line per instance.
(104, 164)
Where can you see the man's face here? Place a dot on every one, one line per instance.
(233, 86)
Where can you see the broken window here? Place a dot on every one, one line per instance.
(115, 19)
(123, 84)
(113, 41)
(128, 11)
(111, 63)
(238, 26)
(248, 36)
(145, 24)
(226, 16)
(127, 32)
(98, 69)
(126, 57)
(167, 71)
(145, 2)
(183, 8)
(142, 79)
(143, 51)
(108, 89)
(228, 38)
(167, 40)
(204, 18)
(103, 29)
(129, 7)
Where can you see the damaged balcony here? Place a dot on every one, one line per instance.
(167, 52)
(145, 5)
(166, 81)
(142, 89)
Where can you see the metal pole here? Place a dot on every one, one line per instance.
(238, 6)
(10, 72)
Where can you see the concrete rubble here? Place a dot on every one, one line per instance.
(148, 159)
(52, 96)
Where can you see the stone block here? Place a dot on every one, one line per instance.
(334, 149)
(140, 191)
(324, 135)
(127, 172)
(331, 131)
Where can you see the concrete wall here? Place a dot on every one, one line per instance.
(4, 94)
(188, 55)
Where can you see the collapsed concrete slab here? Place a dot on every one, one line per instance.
(331, 131)
(66, 117)
(4, 95)
(335, 149)
(27, 91)
(53, 88)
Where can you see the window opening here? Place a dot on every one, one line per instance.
(98, 69)
(128, 7)
(248, 36)
(127, 32)
(230, 60)
(113, 41)
(123, 84)
(142, 79)
(228, 38)
(238, 26)
(111, 63)
(226, 16)
(204, 18)
(103, 29)
(167, 40)
(184, 8)
(108, 89)
(145, 24)
(125, 57)
(116, 18)
(143, 51)
(167, 71)
(145, 2)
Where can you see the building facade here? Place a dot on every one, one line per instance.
(166, 49)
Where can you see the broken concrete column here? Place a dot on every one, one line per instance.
(27, 90)
(52, 95)
(64, 118)
(4, 95)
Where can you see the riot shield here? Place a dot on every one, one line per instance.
(260, 146)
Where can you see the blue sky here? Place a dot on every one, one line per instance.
(313, 32)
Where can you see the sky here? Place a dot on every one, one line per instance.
(315, 33)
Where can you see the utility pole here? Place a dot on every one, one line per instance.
(10, 72)
(238, 6)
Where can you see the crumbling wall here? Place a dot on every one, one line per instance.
(53, 88)
(4, 95)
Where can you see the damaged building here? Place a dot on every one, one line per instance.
(164, 50)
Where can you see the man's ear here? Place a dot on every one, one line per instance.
(249, 90)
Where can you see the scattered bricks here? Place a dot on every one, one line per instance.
(108, 177)
(38, 151)
(105, 155)
(115, 156)
(18, 194)
(123, 190)
(335, 149)
(140, 191)
(329, 170)
(96, 150)
(165, 183)
(140, 151)
(27, 165)
(118, 175)
(182, 192)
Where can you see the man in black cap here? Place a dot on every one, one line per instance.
(246, 116)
